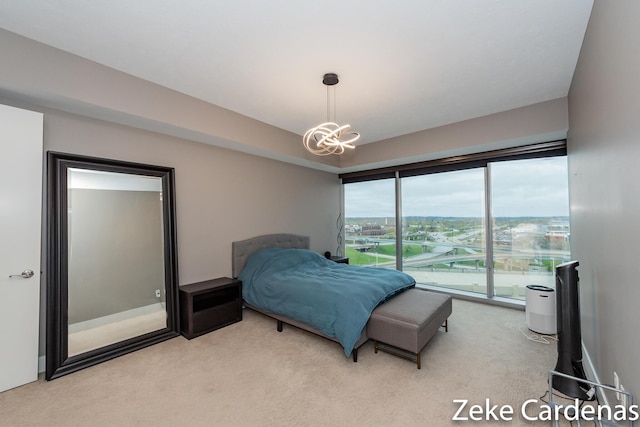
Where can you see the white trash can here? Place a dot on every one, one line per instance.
(541, 309)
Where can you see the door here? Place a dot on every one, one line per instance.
(20, 224)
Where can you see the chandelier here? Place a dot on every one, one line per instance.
(329, 137)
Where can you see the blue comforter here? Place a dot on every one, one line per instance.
(337, 299)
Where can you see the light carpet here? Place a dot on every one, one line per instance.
(248, 374)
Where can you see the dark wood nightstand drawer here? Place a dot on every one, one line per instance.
(216, 317)
(210, 305)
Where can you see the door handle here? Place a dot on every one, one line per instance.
(25, 274)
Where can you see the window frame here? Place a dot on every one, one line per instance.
(549, 149)
(453, 163)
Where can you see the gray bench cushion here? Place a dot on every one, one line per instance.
(409, 320)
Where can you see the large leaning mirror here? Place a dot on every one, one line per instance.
(112, 281)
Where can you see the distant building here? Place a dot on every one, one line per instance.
(352, 228)
(558, 231)
(373, 230)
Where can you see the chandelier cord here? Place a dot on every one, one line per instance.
(329, 137)
(335, 112)
(331, 96)
(328, 104)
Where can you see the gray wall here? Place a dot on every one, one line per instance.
(604, 177)
(545, 121)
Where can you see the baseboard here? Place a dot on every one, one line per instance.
(592, 375)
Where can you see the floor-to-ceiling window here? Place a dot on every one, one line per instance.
(488, 224)
(443, 229)
(370, 223)
(530, 221)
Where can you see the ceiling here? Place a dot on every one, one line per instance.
(404, 65)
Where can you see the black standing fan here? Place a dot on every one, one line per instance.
(569, 334)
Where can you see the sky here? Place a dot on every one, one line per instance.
(537, 187)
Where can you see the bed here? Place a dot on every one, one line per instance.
(283, 279)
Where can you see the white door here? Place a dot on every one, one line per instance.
(20, 223)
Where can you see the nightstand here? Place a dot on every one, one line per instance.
(209, 305)
(340, 259)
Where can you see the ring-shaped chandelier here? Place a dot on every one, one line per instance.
(329, 137)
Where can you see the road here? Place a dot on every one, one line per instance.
(468, 277)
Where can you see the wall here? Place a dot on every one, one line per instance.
(542, 122)
(604, 184)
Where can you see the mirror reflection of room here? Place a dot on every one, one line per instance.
(116, 284)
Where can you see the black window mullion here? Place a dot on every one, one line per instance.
(454, 163)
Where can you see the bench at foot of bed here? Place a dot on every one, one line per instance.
(408, 321)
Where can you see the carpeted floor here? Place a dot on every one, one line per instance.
(248, 374)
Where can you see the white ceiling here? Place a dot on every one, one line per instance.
(404, 65)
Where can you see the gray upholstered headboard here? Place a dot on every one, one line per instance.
(241, 250)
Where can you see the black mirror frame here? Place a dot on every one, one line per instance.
(58, 363)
